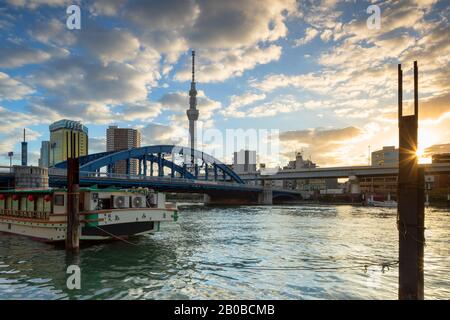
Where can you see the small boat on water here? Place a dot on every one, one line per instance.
(104, 213)
(384, 204)
(389, 203)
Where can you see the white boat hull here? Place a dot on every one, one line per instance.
(100, 225)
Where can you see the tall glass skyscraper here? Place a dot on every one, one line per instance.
(44, 160)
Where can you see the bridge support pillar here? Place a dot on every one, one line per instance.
(151, 167)
(355, 187)
(145, 165)
(215, 172)
(265, 197)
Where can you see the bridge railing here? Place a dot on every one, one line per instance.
(6, 169)
(116, 176)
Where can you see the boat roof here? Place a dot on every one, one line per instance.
(48, 190)
(52, 190)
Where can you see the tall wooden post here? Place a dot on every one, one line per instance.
(410, 201)
(73, 201)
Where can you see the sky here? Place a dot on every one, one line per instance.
(313, 71)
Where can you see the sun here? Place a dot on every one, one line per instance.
(421, 158)
(427, 138)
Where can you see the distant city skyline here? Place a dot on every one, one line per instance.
(311, 69)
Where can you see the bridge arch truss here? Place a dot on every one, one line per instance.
(160, 161)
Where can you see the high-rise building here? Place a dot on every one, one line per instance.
(44, 159)
(123, 139)
(388, 156)
(61, 142)
(244, 161)
(24, 150)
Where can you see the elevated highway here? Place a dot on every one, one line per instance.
(343, 172)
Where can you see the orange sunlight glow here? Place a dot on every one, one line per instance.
(421, 156)
(426, 139)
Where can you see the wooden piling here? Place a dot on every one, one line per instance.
(410, 220)
(73, 200)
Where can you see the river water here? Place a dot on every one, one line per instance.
(278, 252)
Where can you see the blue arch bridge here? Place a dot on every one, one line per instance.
(172, 169)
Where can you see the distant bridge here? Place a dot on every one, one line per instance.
(343, 172)
(227, 192)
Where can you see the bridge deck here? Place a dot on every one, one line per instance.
(343, 172)
(57, 178)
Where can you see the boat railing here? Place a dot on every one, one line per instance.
(42, 215)
(171, 205)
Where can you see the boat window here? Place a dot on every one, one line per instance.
(59, 200)
(104, 203)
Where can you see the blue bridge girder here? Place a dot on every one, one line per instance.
(172, 185)
(155, 154)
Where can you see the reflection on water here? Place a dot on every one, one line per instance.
(294, 252)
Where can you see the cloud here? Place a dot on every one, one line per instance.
(436, 149)
(162, 15)
(93, 84)
(12, 89)
(310, 34)
(360, 71)
(154, 134)
(219, 65)
(10, 120)
(238, 102)
(281, 104)
(106, 7)
(143, 111)
(320, 82)
(435, 107)
(110, 45)
(240, 23)
(325, 146)
(7, 20)
(230, 36)
(17, 56)
(97, 144)
(326, 35)
(320, 134)
(52, 31)
(33, 4)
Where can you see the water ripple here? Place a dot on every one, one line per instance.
(291, 252)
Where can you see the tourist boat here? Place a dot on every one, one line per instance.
(104, 213)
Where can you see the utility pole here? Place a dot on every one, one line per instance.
(73, 199)
(410, 222)
(10, 155)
